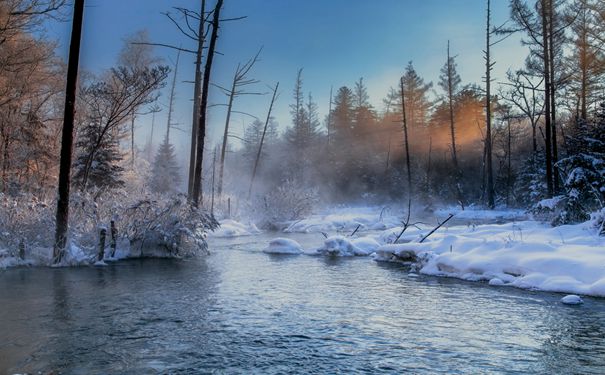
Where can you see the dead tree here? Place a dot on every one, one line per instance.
(169, 123)
(262, 139)
(197, 86)
(201, 131)
(62, 216)
(488, 111)
(406, 140)
(238, 84)
(524, 94)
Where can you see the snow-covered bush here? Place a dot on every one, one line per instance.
(171, 223)
(289, 201)
(168, 223)
(598, 219)
(25, 218)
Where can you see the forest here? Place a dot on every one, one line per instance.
(302, 187)
(534, 140)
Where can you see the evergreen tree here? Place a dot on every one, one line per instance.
(584, 167)
(343, 114)
(98, 162)
(165, 176)
(252, 138)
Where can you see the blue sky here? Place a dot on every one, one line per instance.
(335, 41)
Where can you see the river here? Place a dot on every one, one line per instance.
(239, 310)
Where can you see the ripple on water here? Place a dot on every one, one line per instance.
(242, 311)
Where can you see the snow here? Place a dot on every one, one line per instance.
(528, 255)
(283, 246)
(339, 246)
(345, 220)
(232, 228)
(496, 282)
(475, 213)
(572, 299)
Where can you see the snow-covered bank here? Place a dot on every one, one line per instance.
(283, 246)
(78, 256)
(232, 228)
(529, 255)
(346, 220)
(480, 214)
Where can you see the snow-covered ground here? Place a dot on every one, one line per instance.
(524, 254)
(527, 254)
(232, 228)
(346, 220)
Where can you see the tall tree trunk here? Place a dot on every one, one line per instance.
(406, 140)
(450, 97)
(329, 116)
(221, 169)
(488, 115)
(62, 216)
(547, 101)
(199, 157)
(171, 100)
(132, 140)
(262, 140)
(197, 88)
(553, 87)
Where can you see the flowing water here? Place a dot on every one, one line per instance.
(242, 311)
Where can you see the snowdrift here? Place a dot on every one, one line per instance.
(283, 246)
(528, 255)
(232, 228)
(339, 246)
(344, 222)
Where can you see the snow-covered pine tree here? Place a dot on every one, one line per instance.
(165, 176)
(98, 162)
(584, 170)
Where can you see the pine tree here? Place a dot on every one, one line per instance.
(165, 176)
(252, 138)
(584, 167)
(98, 162)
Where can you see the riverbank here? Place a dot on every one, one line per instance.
(493, 246)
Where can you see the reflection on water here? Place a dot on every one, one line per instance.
(243, 311)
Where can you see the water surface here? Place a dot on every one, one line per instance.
(242, 311)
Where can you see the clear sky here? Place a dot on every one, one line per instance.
(335, 41)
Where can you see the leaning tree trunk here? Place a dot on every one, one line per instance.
(62, 216)
(262, 140)
(226, 135)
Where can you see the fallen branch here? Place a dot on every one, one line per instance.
(437, 227)
(355, 231)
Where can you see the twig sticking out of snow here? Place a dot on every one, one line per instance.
(437, 227)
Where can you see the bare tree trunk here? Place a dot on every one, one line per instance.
(547, 101)
(226, 135)
(132, 140)
(553, 87)
(171, 100)
(329, 116)
(62, 216)
(262, 140)
(213, 183)
(199, 157)
(406, 140)
(450, 97)
(488, 114)
(196, 98)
